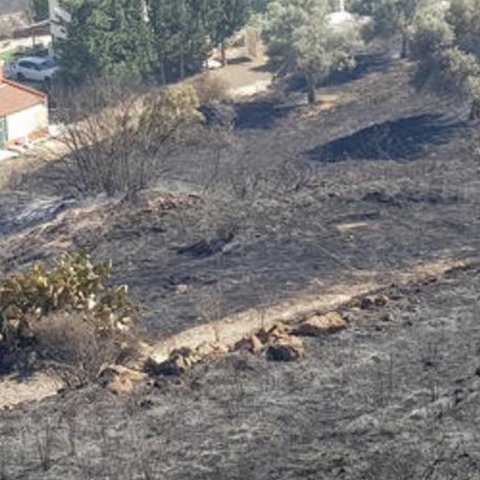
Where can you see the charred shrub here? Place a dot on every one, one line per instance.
(75, 351)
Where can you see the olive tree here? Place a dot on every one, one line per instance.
(300, 39)
(446, 43)
(392, 17)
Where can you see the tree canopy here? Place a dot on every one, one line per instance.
(391, 17)
(299, 38)
(446, 43)
(105, 38)
(165, 38)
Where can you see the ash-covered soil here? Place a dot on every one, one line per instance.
(376, 178)
(394, 396)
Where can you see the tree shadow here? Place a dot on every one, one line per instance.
(261, 114)
(365, 64)
(403, 139)
(268, 67)
(239, 60)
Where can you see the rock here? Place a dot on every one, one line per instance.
(387, 317)
(120, 380)
(373, 301)
(178, 362)
(363, 424)
(120, 385)
(366, 303)
(321, 324)
(181, 289)
(209, 351)
(251, 344)
(279, 331)
(285, 349)
(381, 300)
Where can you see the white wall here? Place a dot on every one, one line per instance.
(23, 123)
(57, 15)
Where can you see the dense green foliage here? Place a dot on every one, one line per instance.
(391, 17)
(446, 43)
(105, 37)
(300, 39)
(75, 285)
(165, 38)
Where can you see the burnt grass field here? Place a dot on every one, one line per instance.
(382, 178)
(376, 177)
(395, 399)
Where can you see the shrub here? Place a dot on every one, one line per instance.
(210, 88)
(72, 349)
(74, 286)
(118, 138)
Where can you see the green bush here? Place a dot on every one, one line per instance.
(74, 285)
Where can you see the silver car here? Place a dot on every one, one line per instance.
(37, 69)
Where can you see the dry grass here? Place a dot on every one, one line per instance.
(210, 88)
(73, 351)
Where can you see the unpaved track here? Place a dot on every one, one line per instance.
(224, 333)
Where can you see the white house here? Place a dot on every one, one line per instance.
(23, 113)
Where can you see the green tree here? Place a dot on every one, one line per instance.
(446, 44)
(225, 18)
(300, 39)
(392, 17)
(105, 38)
(180, 35)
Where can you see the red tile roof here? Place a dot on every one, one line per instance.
(15, 97)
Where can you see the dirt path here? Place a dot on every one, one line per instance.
(15, 391)
(223, 334)
(245, 76)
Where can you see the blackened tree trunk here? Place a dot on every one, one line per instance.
(311, 90)
(475, 110)
(404, 53)
(182, 64)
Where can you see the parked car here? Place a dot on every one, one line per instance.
(37, 69)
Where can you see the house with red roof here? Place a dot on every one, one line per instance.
(23, 113)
